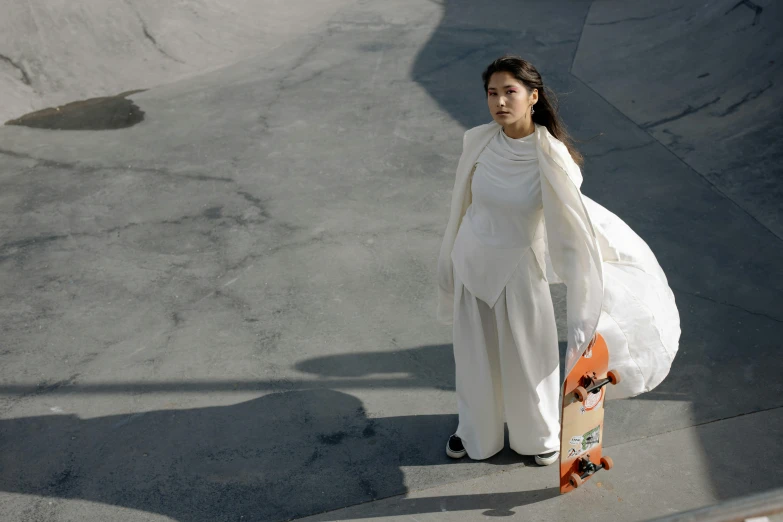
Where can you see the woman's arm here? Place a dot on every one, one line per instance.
(574, 254)
(445, 268)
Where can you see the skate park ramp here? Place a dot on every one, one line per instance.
(225, 311)
(52, 53)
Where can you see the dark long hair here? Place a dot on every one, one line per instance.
(545, 108)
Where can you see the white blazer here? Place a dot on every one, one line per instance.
(615, 284)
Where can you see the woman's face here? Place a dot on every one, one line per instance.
(508, 99)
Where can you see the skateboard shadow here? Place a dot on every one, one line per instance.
(494, 504)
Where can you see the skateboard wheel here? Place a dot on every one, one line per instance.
(607, 463)
(580, 393)
(613, 376)
(575, 480)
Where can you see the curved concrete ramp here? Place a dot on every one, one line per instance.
(53, 53)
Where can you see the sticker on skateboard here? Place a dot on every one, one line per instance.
(594, 400)
(585, 442)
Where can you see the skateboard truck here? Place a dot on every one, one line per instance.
(587, 468)
(592, 384)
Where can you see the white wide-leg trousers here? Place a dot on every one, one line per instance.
(507, 361)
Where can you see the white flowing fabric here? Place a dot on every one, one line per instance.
(615, 284)
(639, 318)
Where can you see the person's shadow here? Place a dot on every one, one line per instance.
(281, 456)
(418, 364)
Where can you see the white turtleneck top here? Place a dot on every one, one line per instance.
(505, 217)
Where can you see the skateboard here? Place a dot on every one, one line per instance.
(582, 416)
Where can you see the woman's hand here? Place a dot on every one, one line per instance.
(445, 274)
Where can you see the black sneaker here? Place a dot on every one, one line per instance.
(545, 459)
(454, 448)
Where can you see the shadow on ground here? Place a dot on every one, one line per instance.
(280, 456)
(272, 458)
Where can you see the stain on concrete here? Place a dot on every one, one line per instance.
(46, 386)
(177, 319)
(13, 248)
(333, 438)
(102, 113)
(375, 47)
(368, 489)
(61, 482)
(213, 213)
(313, 457)
(251, 198)
(685, 112)
(635, 18)
(748, 97)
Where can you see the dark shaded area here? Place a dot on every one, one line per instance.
(723, 267)
(470, 36)
(103, 113)
(496, 504)
(272, 458)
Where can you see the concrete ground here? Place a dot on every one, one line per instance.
(226, 310)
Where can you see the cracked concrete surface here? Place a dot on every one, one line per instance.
(685, 83)
(134, 44)
(226, 312)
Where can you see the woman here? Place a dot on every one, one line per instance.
(518, 222)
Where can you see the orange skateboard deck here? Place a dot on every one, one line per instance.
(582, 417)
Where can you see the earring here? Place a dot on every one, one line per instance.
(532, 110)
